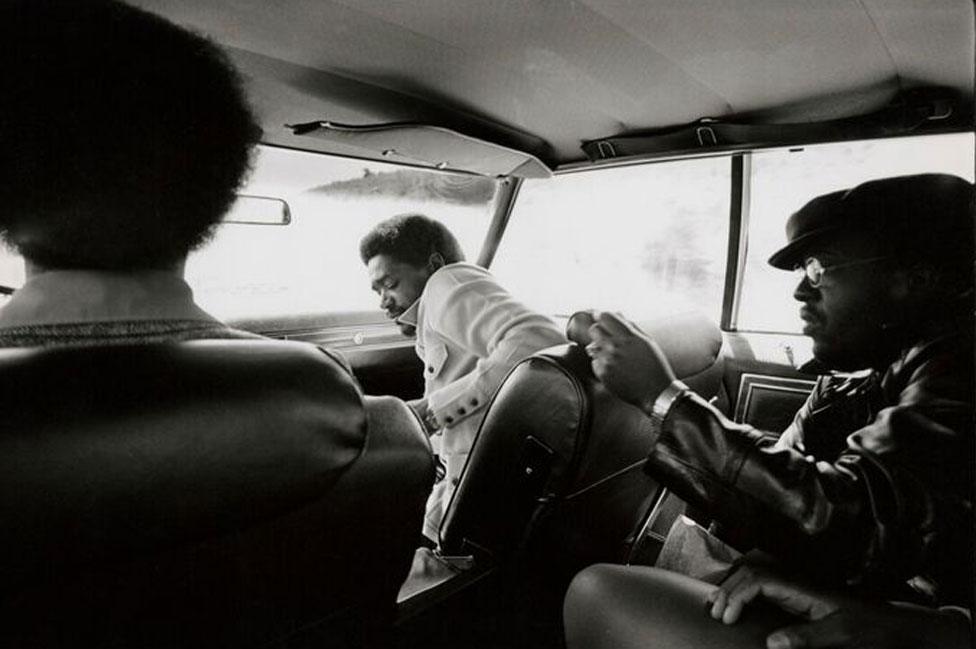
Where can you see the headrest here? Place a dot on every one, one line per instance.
(106, 451)
(690, 341)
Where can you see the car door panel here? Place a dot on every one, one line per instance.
(763, 384)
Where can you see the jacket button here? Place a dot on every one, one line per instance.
(449, 420)
(461, 411)
(430, 368)
(455, 481)
(474, 402)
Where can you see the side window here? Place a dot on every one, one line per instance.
(312, 265)
(646, 240)
(783, 181)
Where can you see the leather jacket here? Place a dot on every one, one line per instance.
(872, 484)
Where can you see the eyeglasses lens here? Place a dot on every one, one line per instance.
(813, 270)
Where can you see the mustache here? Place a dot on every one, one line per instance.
(809, 315)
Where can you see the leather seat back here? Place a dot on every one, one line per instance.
(218, 492)
(557, 464)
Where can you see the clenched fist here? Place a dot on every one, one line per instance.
(624, 358)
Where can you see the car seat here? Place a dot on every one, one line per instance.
(217, 493)
(556, 469)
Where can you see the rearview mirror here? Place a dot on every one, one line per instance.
(258, 210)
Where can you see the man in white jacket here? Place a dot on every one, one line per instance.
(470, 332)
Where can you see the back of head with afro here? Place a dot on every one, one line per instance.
(122, 136)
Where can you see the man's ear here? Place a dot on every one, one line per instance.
(924, 279)
(917, 281)
(899, 285)
(435, 261)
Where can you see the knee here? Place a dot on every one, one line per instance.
(589, 585)
(619, 607)
(585, 608)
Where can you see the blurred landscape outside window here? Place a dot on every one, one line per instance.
(647, 240)
(783, 181)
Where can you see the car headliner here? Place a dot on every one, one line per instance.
(542, 76)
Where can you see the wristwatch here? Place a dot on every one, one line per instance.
(663, 403)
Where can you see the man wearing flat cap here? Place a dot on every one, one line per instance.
(870, 488)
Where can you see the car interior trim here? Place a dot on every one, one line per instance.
(505, 197)
(740, 187)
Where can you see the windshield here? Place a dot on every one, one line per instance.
(312, 265)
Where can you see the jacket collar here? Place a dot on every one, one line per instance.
(409, 317)
(77, 296)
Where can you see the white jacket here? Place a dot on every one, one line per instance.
(470, 333)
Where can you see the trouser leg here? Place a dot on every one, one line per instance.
(635, 607)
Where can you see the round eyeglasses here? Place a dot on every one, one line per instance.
(814, 271)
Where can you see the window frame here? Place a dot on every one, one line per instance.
(496, 231)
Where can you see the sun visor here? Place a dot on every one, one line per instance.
(421, 145)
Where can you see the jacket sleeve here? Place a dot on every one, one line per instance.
(477, 314)
(895, 504)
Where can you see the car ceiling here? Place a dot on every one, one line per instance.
(544, 75)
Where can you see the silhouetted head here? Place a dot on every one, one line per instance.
(122, 136)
